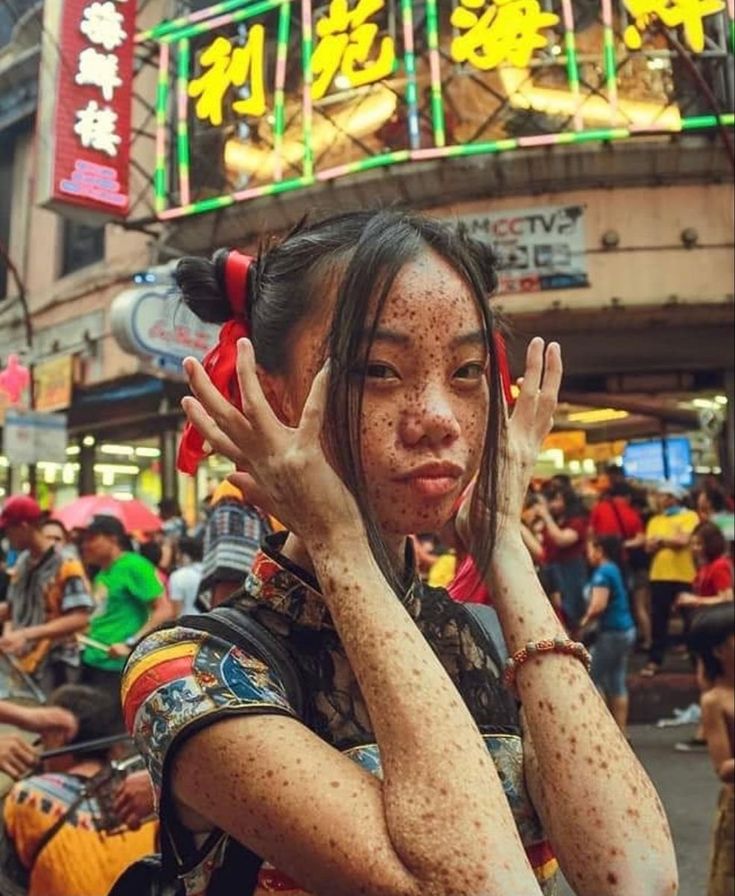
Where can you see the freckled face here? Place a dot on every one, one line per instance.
(425, 400)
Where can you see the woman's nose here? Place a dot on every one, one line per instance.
(431, 418)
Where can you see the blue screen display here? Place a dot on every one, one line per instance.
(644, 460)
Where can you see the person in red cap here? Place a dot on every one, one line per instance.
(48, 596)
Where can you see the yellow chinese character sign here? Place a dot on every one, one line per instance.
(347, 45)
(225, 67)
(499, 31)
(686, 14)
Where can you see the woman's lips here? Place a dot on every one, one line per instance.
(433, 486)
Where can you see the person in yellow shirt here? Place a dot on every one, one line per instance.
(672, 565)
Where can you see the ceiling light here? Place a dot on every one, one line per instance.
(117, 449)
(88, 441)
(707, 403)
(597, 415)
(721, 399)
(144, 451)
(73, 450)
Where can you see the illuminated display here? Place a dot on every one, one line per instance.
(257, 97)
(85, 105)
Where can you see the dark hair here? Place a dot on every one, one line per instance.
(713, 541)
(611, 546)
(95, 712)
(716, 496)
(573, 505)
(152, 551)
(711, 627)
(620, 489)
(49, 520)
(358, 255)
(169, 507)
(191, 547)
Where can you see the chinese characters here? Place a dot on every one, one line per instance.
(505, 31)
(96, 125)
(226, 66)
(347, 46)
(687, 14)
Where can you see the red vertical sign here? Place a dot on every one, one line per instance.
(85, 159)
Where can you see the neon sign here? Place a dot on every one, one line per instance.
(292, 93)
(85, 105)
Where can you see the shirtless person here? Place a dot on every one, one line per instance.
(712, 641)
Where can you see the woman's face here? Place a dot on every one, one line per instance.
(425, 399)
(697, 548)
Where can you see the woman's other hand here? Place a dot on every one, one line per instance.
(527, 427)
(282, 469)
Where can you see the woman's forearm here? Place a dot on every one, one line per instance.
(442, 825)
(600, 809)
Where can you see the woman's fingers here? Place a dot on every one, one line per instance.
(553, 370)
(210, 398)
(254, 403)
(534, 368)
(218, 440)
(312, 416)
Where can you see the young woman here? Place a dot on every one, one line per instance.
(564, 541)
(403, 770)
(609, 605)
(713, 582)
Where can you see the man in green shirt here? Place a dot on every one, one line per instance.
(130, 598)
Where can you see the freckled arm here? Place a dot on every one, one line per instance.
(600, 810)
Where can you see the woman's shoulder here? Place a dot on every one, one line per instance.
(186, 676)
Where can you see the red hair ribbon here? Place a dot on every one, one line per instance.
(220, 362)
(503, 368)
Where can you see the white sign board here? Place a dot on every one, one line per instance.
(153, 323)
(30, 436)
(536, 248)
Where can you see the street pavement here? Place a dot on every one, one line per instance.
(688, 788)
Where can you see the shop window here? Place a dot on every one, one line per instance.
(82, 245)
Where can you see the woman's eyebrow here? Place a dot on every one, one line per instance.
(473, 337)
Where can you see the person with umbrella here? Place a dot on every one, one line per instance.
(130, 599)
(49, 598)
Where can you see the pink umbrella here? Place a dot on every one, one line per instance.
(133, 514)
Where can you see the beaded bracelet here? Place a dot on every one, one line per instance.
(549, 645)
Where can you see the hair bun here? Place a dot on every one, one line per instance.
(202, 286)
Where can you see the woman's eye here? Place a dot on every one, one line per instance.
(472, 371)
(380, 372)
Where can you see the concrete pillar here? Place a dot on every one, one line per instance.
(87, 455)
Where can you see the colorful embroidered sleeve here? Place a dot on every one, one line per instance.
(179, 680)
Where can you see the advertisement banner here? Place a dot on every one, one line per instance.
(537, 249)
(30, 437)
(84, 106)
(53, 383)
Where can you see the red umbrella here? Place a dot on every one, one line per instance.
(133, 514)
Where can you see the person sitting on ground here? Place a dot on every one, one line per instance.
(49, 598)
(712, 640)
(17, 755)
(609, 607)
(78, 858)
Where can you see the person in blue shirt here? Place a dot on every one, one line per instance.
(609, 606)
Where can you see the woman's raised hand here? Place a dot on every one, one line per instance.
(526, 429)
(281, 469)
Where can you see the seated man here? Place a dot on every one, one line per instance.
(78, 858)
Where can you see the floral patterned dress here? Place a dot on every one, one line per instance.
(183, 678)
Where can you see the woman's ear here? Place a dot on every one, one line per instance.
(278, 395)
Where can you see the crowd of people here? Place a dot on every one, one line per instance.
(376, 642)
(73, 605)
